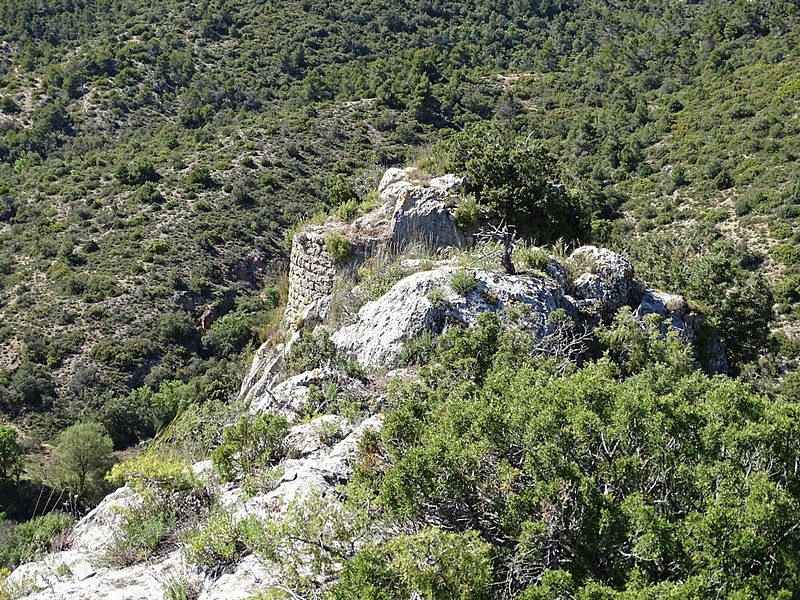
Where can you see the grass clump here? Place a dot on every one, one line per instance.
(438, 297)
(463, 282)
(467, 212)
(532, 258)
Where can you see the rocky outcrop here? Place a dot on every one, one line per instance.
(411, 213)
(605, 279)
(590, 286)
(322, 453)
(410, 309)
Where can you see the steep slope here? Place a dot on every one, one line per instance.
(154, 153)
(240, 538)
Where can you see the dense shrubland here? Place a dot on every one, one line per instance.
(146, 148)
(502, 477)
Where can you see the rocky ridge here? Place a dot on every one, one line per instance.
(590, 286)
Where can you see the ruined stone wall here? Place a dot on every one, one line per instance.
(312, 270)
(311, 273)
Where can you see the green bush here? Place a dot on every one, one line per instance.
(142, 530)
(253, 442)
(311, 351)
(200, 177)
(432, 564)
(514, 177)
(437, 297)
(31, 540)
(157, 247)
(215, 543)
(532, 258)
(230, 334)
(338, 247)
(463, 282)
(467, 212)
(154, 473)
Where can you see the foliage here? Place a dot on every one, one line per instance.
(717, 274)
(467, 212)
(218, 542)
(153, 472)
(437, 297)
(338, 246)
(432, 564)
(142, 529)
(311, 351)
(145, 412)
(252, 442)
(83, 454)
(515, 178)
(463, 282)
(23, 542)
(532, 258)
(230, 334)
(10, 454)
(587, 478)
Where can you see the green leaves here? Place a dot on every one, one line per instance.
(433, 564)
(518, 179)
(663, 480)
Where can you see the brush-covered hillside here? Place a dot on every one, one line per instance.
(155, 158)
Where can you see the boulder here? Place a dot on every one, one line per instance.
(404, 313)
(421, 217)
(394, 175)
(605, 277)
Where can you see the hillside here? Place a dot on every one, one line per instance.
(148, 149)
(468, 433)
(157, 158)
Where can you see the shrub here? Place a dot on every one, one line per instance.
(347, 212)
(10, 454)
(83, 454)
(376, 281)
(438, 297)
(463, 282)
(157, 247)
(142, 529)
(32, 539)
(467, 212)
(340, 191)
(418, 351)
(338, 246)
(148, 194)
(200, 177)
(532, 258)
(155, 473)
(215, 543)
(311, 351)
(430, 564)
(229, 334)
(253, 442)
(515, 177)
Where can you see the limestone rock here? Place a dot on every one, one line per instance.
(449, 184)
(395, 175)
(405, 312)
(421, 217)
(606, 277)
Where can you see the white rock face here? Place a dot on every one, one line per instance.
(324, 451)
(421, 217)
(405, 312)
(395, 175)
(607, 277)
(449, 184)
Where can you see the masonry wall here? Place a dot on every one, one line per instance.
(311, 273)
